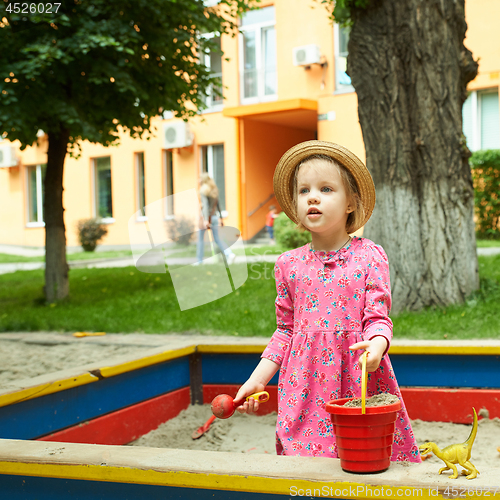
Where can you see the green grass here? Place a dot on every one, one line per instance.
(7, 258)
(249, 250)
(488, 243)
(178, 252)
(476, 319)
(126, 300)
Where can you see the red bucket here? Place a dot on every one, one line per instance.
(364, 442)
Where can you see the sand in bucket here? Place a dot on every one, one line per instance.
(364, 429)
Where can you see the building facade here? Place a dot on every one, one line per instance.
(284, 82)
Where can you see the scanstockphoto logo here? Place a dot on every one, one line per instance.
(200, 262)
(24, 15)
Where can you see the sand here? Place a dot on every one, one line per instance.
(239, 434)
(38, 356)
(377, 400)
(26, 355)
(255, 434)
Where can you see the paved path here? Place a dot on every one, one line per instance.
(121, 262)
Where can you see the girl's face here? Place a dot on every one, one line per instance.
(322, 202)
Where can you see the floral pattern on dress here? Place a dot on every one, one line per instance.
(327, 301)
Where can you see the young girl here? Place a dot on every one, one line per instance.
(332, 305)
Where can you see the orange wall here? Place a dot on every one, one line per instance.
(483, 40)
(298, 22)
(264, 145)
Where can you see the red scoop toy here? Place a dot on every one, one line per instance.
(223, 405)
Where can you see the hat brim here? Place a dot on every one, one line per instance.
(284, 175)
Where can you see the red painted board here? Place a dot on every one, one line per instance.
(212, 390)
(127, 424)
(430, 405)
(450, 405)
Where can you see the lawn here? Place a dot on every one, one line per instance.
(7, 258)
(175, 251)
(126, 300)
(487, 243)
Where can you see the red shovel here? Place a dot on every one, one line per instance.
(223, 407)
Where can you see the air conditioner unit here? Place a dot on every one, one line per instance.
(8, 156)
(177, 135)
(306, 55)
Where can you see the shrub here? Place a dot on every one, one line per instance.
(180, 229)
(90, 231)
(485, 166)
(286, 233)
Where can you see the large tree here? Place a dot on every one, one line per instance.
(91, 68)
(410, 68)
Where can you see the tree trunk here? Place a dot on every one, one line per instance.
(56, 267)
(410, 68)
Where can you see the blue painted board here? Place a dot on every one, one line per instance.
(447, 370)
(229, 368)
(40, 416)
(42, 488)
(415, 370)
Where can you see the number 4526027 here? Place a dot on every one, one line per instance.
(32, 8)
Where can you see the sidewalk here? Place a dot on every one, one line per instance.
(120, 262)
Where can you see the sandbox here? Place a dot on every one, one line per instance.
(49, 423)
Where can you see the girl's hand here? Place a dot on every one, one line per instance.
(375, 348)
(249, 387)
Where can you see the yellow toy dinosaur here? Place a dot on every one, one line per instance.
(455, 454)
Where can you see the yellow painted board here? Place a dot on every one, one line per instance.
(86, 378)
(111, 371)
(44, 389)
(234, 349)
(228, 482)
(445, 350)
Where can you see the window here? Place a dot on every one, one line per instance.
(258, 56)
(213, 61)
(141, 189)
(102, 189)
(341, 40)
(481, 120)
(169, 183)
(36, 194)
(212, 162)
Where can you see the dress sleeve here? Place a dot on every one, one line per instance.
(376, 319)
(280, 341)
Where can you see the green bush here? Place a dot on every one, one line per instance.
(287, 235)
(90, 231)
(485, 166)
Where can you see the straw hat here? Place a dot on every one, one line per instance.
(284, 175)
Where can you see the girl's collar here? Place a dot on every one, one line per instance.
(342, 249)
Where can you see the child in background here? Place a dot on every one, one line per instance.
(271, 215)
(333, 303)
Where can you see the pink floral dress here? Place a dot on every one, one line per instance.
(326, 302)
